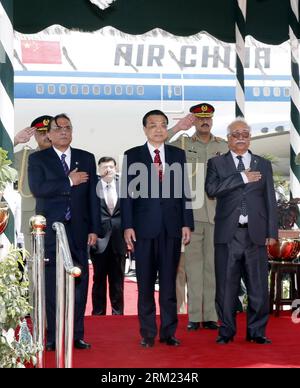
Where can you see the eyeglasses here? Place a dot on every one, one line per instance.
(67, 128)
(237, 135)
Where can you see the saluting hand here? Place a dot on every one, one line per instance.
(78, 177)
(185, 123)
(24, 135)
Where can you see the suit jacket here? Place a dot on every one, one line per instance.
(224, 182)
(110, 224)
(54, 194)
(144, 213)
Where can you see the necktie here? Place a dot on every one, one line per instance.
(158, 163)
(241, 167)
(110, 199)
(67, 171)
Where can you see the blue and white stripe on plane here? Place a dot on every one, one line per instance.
(43, 89)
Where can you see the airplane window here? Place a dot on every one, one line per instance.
(62, 89)
(279, 128)
(177, 90)
(51, 89)
(140, 90)
(96, 90)
(266, 91)
(256, 91)
(118, 90)
(85, 89)
(129, 90)
(74, 89)
(40, 89)
(286, 92)
(265, 130)
(107, 90)
(276, 92)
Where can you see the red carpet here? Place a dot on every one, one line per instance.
(115, 344)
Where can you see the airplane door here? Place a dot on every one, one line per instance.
(172, 93)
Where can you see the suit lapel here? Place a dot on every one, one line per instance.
(231, 168)
(74, 160)
(55, 162)
(254, 162)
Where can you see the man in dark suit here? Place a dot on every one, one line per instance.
(108, 255)
(63, 181)
(245, 222)
(156, 217)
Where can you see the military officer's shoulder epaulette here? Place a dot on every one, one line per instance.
(219, 139)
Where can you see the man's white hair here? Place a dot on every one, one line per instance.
(238, 119)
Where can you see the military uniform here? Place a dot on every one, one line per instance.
(27, 200)
(199, 254)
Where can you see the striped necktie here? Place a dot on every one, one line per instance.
(241, 167)
(67, 171)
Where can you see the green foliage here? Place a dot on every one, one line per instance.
(14, 306)
(7, 173)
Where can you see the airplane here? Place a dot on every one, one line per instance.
(106, 81)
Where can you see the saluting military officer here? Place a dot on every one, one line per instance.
(38, 128)
(199, 254)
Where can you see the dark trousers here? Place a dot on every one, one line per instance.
(108, 266)
(81, 290)
(241, 257)
(160, 254)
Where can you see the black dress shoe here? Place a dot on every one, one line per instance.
(210, 325)
(50, 346)
(193, 325)
(147, 342)
(223, 340)
(259, 340)
(171, 341)
(80, 344)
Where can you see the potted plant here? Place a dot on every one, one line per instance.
(16, 345)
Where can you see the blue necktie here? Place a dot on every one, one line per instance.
(67, 171)
(241, 167)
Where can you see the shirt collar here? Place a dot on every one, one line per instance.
(245, 155)
(67, 152)
(152, 149)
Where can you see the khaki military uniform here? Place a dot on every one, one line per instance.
(199, 254)
(27, 200)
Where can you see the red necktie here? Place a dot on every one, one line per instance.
(158, 163)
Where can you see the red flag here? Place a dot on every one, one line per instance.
(38, 51)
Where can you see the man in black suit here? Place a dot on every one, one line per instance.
(156, 217)
(108, 255)
(245, 223)
(63, 181)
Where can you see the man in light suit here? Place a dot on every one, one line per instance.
(156, 217)
(63, 181)
(108, 255)
(245, 222)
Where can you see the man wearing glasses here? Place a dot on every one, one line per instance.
(63, 181)
(245, 223)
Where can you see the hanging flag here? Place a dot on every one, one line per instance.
(40, 51)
